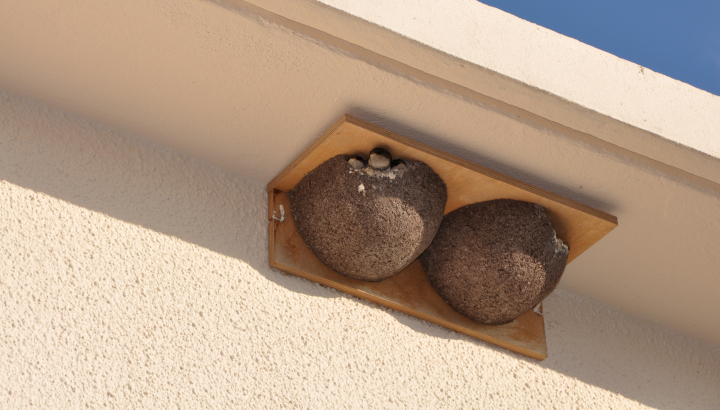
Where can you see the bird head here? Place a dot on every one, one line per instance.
(379, 159)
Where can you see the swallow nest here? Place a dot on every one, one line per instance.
(368, 224)
(493, 261)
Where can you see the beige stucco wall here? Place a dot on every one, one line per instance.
(248, 87)
(134, 277)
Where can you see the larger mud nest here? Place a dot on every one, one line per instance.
(368, 224)
(493, 261)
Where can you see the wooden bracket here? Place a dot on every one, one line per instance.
(409, 291)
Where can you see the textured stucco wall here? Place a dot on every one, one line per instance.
(131, 276)
(248, 92)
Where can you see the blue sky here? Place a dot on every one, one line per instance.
(680, 39)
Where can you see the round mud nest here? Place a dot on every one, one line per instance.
(364, 223)
(493, 261)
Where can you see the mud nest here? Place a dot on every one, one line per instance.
(368, 224)
(493, 261)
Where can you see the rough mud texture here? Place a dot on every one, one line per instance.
(493, 261)
(368, 225)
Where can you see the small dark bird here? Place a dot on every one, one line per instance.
(357, 162)
(379, 159)
(398, 165)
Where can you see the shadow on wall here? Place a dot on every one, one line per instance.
(139, 183)
(605, 348)
(418, 135)
(613, 352)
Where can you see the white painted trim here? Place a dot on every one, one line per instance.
(639, 113)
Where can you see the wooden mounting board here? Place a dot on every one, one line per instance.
(409, 291)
